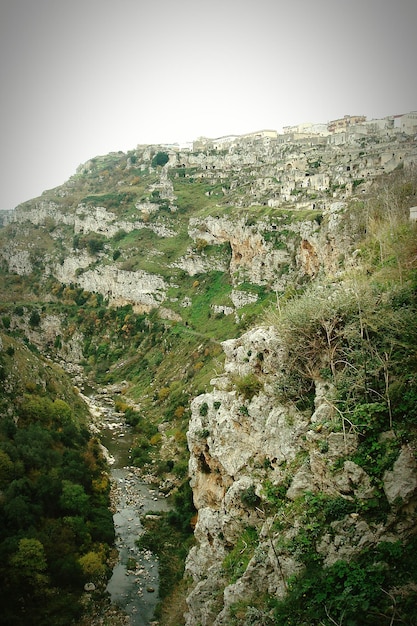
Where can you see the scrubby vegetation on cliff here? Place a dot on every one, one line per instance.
(297, 434)
(330, 523)
(359, 336)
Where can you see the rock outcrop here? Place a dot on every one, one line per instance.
(244, 445)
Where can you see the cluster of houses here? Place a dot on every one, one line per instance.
(335, 131)
(307, 166)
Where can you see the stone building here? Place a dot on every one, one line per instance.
(343, 123)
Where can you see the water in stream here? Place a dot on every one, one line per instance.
(134, 583)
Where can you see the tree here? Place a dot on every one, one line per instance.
(29, 563)
(27, 590)
(160, 158)
(73, 498)
(92, 565)
(34, 319)
(6, 468)
(62, 411)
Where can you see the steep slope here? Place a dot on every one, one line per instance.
(132, 230)
(56, 527)
(304, 455)
(256, 302)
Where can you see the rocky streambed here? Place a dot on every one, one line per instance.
(133, 586)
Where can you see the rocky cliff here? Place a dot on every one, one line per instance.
(258, 303)
(267, 213)
(264, 466)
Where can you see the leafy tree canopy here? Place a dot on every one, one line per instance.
(160, 158)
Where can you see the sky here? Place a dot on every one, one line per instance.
(87, 77)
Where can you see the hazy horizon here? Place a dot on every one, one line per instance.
(87, 78)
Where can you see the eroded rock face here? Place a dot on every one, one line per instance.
(400, 484)
(20, 263)
(262, 252)
(229, 437)
(124, 286)
(252, 258)
(245, 442)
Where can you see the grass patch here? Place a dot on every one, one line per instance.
(192, 198)
(236, 562)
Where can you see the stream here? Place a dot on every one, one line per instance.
(134, 584)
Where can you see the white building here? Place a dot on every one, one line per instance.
(408, 123)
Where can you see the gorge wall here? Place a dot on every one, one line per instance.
(297, 424)
(245, 448)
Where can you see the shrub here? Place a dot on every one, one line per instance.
(163, 393)
(34, 319)
(155, 439)
(236, 562)
(6, 321)
(179, 411)
(95, 245)
(160, 158)
(248, 386)
(249, 498)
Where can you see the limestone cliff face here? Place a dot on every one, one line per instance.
(305, 246)
(271, 215)
(263, 252)
(121, 286)
(243, 443)
(251, 257)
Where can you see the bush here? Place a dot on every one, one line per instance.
(95, 245)
(34, 319)
(6, 321)
(204, 409)
(236, 562)
(160, 158)
(248, 386)
(249, 498)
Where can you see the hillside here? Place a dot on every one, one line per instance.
(56, 527)
(252, 307)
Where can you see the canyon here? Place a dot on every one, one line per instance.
(256, 298)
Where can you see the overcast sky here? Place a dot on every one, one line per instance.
(81, 78)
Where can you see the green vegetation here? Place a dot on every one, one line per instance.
(358, 592)
(56, 527)
(192, 196)
(170, 537)
(160, 158)
(236, 562)
(248, 386)
(93, 243)
(110, 200)
(354, 330)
